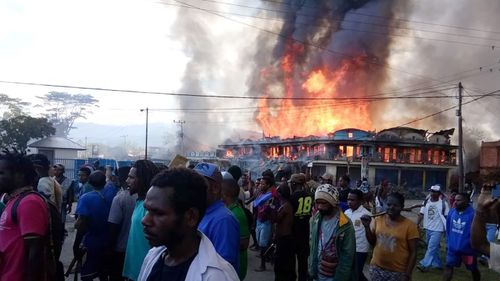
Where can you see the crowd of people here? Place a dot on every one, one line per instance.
(153, 223)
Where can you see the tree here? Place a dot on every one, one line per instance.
(64, 109)
(15, 132)
(11, 107)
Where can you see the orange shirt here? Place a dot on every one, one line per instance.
(391, 251)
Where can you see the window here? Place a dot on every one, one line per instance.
(349, 151)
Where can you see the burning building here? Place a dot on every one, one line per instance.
(404, 156)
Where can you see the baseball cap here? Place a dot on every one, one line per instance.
(209, 171)
(40, 160)
(327, 176)
(298, 178)
(436, 188)
(227, 176)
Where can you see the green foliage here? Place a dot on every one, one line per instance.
(11, 107)
(63, 109)
(15, 132)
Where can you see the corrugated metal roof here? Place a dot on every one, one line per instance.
(56, 142)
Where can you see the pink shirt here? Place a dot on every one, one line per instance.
(32, 219)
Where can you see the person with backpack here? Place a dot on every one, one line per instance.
(433, 213)
(22, 239)
(47, 185)
(67, 190)
(91, 229)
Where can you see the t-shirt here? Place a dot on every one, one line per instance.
(32, 218)
(380, 204)
(47, 187)
(223, 230)
(326, 242)
(362, 245)
(343, 194)
(495, 257)
(433, 215)
(263, 206)
(109, 192)
(94, 207)
(393, 242)
(137, 245)
(163, 272)
(458, 227)
(121, 214)
(86, 187)
(65, 184)
(244, 233)
(302, 203)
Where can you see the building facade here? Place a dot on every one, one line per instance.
(404, 156)
(490, 157)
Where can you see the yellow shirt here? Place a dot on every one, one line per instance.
(391, 251)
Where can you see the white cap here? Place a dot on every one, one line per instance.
(436, 188)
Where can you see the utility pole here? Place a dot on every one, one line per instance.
(181, 124)
(125, 143)
(147, 124)
(461, 174)
(86, 147)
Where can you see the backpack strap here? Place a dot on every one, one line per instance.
(18, 201)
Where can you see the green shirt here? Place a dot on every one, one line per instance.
(137, 245)
(238, 212)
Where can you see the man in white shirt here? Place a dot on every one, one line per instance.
(433, 213)
(175, 204)
(355, 211)
(47, 186)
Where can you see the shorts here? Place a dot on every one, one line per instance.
(93, 265)
(455, 259)
(263, 232)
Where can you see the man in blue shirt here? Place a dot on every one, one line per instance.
(91, 227)
(458, 228)
(219, 224)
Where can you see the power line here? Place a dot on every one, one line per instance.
(395, 19)
(220, 96)
(351, 56)
(384, 65)
(343, 20)
(378, 33)
(450, 108)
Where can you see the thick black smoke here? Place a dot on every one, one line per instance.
(326, 31)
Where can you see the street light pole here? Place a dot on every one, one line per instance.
(147, 124)
(181, 124)
(461, 178)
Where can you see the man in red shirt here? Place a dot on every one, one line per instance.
(21, 240)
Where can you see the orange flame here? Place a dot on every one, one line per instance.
(229, 153)
(289, 118)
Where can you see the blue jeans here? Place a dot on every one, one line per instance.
(432, 256)
(491, 232)
(264, 232)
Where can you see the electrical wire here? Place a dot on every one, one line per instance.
(394, 18)
(384, 65)
(344, 20)
(478, 97)
(220, 96)
(373, 32)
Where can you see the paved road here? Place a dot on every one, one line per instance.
(253, 260)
